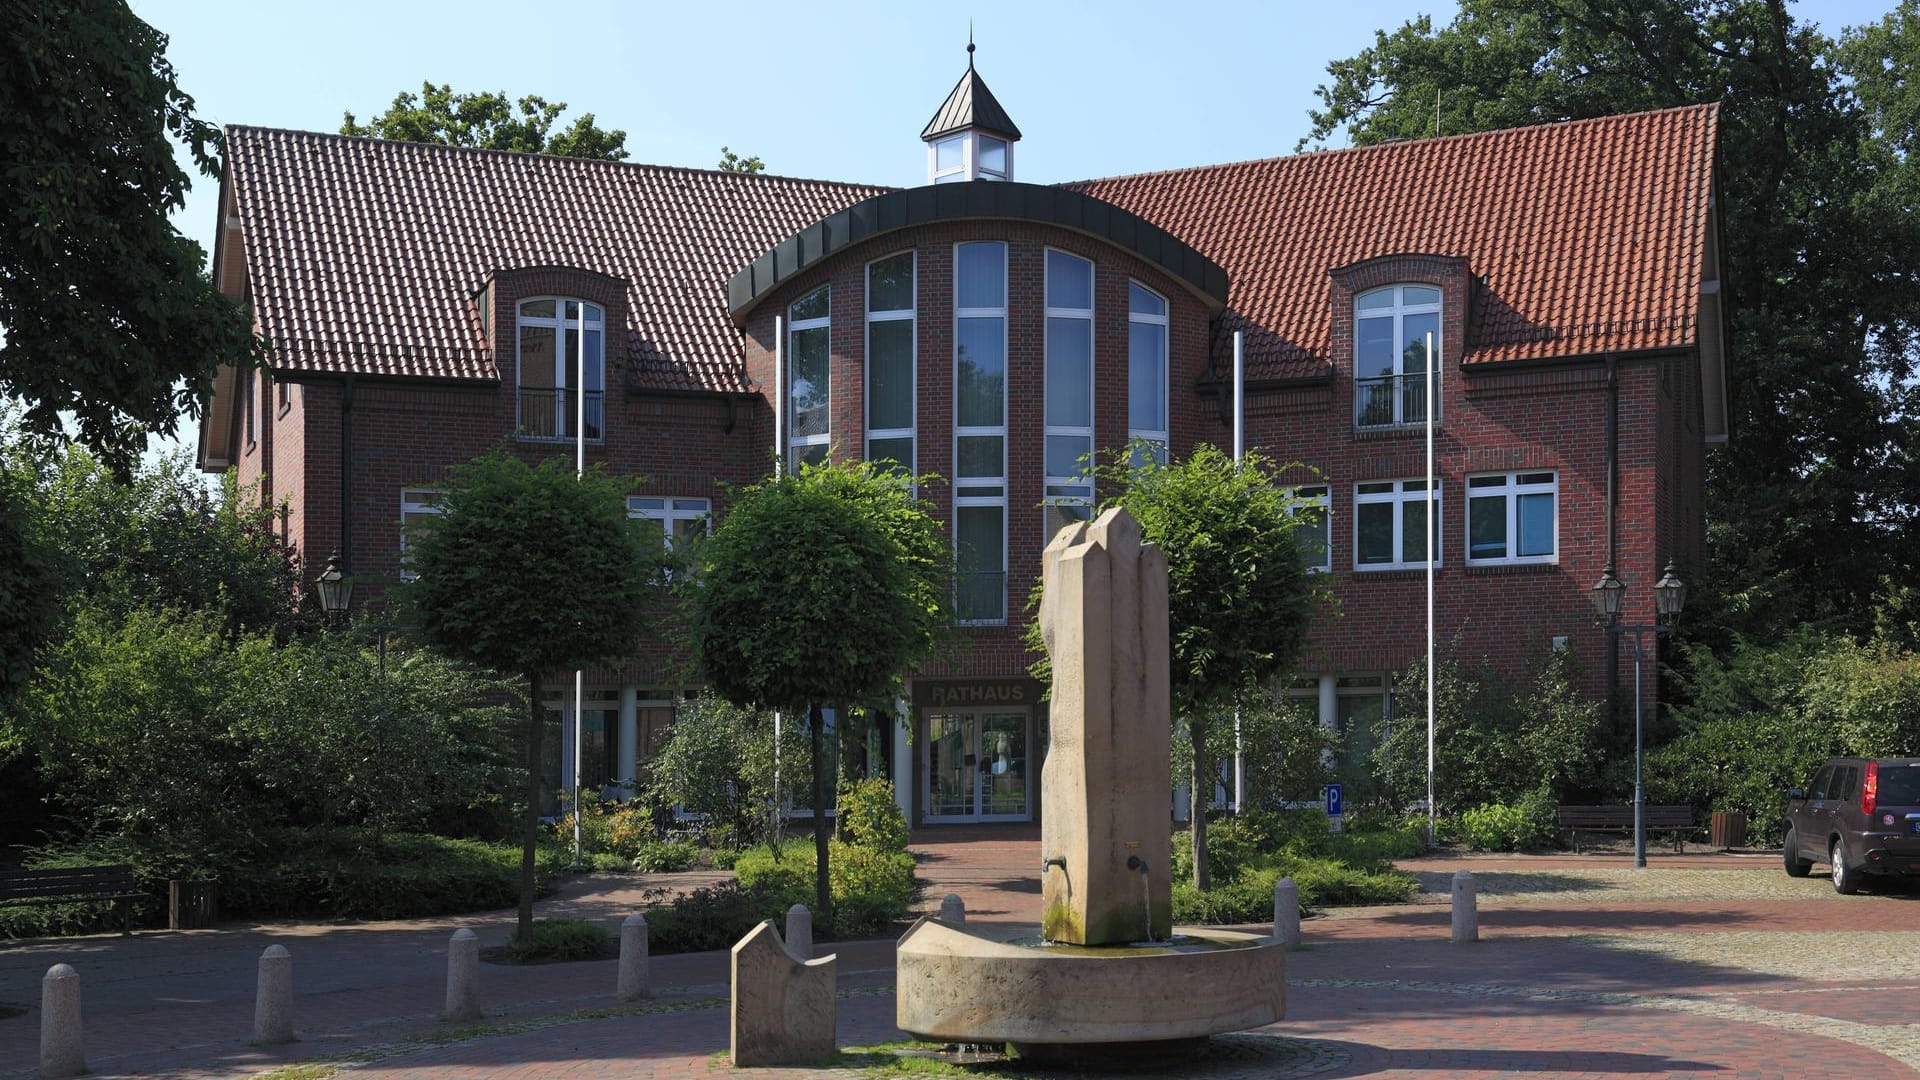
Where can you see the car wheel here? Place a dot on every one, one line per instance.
(1845, 881)
(1790, 854)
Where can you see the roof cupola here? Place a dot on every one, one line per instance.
(971, 137)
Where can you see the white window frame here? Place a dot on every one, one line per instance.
(1398, 312)
(563, 366)
(1509, 492)
(969, 167)
(670, 514)
(910, 317)
(1317, 497)
(960, 483)
(797, 445)
(413, 506)
(1400, 496)
(1068, 498)
(1165, 322)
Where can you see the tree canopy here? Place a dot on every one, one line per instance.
(732, 162)
(489, 121)
(1810, 506)
(108, 312)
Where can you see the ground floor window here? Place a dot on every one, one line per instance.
(976, 766)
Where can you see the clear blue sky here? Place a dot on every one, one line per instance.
(834, 91)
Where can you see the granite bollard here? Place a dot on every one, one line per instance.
(784, 1009)
(953, 910)
(633, 957)
(1286, 912)
(463, 975)
(61, 1052)
(273, 997)
(1466, 908)
(799, 935)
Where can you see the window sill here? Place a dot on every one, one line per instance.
(558, 440)
(1396, 573)
(977, 624)
(1395, 431)
(1508, 569)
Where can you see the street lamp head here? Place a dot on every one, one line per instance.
(1669, 595)
(336, 592)
(1607, 596)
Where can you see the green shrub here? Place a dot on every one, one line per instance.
(871, 888)
(1506, 827)
(560, 939)
(607, 862)
(1322, 882)
(1244, 900)
(665, 856)
(711, 918)
(869, 816)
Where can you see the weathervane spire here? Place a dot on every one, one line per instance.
(969, 44)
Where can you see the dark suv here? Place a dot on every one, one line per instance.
(1862, 815)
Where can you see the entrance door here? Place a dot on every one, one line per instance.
(976, 767)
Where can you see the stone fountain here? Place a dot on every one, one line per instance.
(1110, 970)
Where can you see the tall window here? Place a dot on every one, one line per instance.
(809, 360)
(1147, 367)
(418, 508)
(1390, 526)
(980, 431)
(890, 364)
(1391, 328)
(551, 386)
(1313, 504)
(1511, 517)
(1069, 389)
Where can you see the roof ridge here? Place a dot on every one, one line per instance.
(1712, 107)
(487, 150)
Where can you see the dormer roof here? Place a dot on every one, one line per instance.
(970, 105)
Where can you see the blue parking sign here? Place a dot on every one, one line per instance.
(1333, 800)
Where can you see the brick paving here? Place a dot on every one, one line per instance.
(1700, 965)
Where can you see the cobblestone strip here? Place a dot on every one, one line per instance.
(1898, 1041)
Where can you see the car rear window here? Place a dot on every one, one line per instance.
(1899, 785)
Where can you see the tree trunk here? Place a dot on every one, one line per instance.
(822, 893)
(1200, 794)
(530, 833)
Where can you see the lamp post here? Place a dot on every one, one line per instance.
(1669, 597)
(335, 589)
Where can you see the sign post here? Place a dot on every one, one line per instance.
(1332, 796)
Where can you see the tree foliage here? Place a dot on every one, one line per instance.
(1811, 503)
(530, 570)
(489, 121)
(108, 314)
(825, 586)
(721, 760)
(732, 162)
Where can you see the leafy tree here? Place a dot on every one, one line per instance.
(1239, 596)
(1811, 503)
(108, 313)
(31, 585)
(489, 121)
(720, 760)
(1284, 751)
(732, 162)
(528, 570)
(824, 586)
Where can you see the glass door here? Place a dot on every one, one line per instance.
(976, 767)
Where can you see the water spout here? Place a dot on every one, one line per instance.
(1058, 860)
(1139, 866)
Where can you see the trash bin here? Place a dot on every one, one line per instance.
(190, 905)
(1729, 829)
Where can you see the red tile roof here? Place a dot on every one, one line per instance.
(362, 254)
(1589, 235)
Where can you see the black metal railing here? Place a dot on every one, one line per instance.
(1387, 400)
(980, 596)
(549, 413)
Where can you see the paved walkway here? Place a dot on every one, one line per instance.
(1699, 965)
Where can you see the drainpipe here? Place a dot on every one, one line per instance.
(346, 474)
(1613, 499)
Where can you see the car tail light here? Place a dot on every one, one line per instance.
(1870, 791)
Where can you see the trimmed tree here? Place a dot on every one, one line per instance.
(821, 587)
(528, 570)
(1239, 595)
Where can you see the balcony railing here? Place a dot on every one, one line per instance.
(980, 597)
(549, 413)
(1390, 400)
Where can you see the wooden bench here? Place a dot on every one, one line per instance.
(1677, 820)
(73, 885)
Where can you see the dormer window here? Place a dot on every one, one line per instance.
(1394, 331)
(555, 375)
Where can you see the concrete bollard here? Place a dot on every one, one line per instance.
(61, 1053)
(1286, 912)
(633, 957)
(273, 997)
(1466, 908)
(953, 910)
(799, 935)
(463, 976)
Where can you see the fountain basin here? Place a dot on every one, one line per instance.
(954, 986)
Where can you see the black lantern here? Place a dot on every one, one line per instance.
(1607, 595)
(1669, 595)
(336, 592)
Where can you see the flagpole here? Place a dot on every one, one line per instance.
(1239, 452)
(1433, 535)
(579, 472)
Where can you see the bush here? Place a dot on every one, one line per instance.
(1508, 827)
(560, 939)
(711, 918)
(1322, 882)
(665, 856)
(869, 816)
(871, 888)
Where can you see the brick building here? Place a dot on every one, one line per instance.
(427, 303)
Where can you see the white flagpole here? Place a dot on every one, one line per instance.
(1239, 452)
(1433, 531)
(579, 471)
(779, 394)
